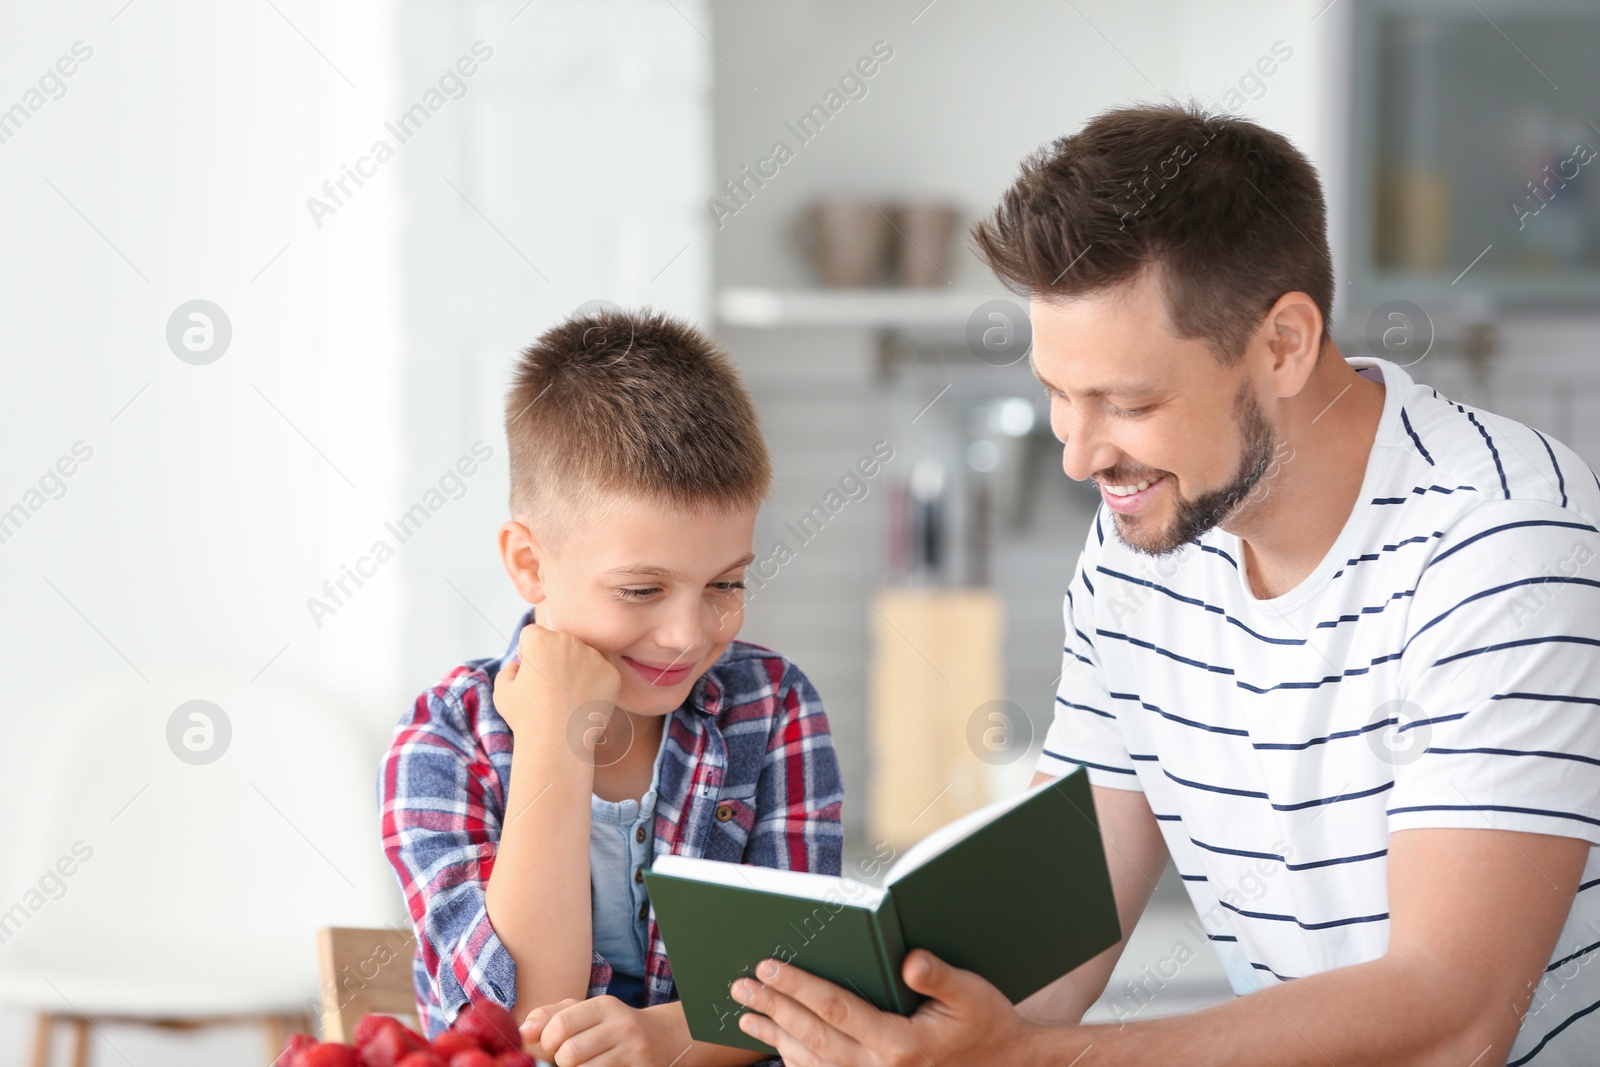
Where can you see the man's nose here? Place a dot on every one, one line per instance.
(1084, 448)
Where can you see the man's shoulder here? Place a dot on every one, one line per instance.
(1463, 458)
(1490, 488)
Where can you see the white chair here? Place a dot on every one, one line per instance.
(195, 891)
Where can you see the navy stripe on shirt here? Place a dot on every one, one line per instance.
(1335, 736)
(1565, 639)
(1516, 752)
(1084, 707)
(1493, 451)
(1327, 924)
(1331, 861)
(1496, 807)
(1365, 611)
(1406, 421)
(1561, 481)
(1086, 763)
(1370, 556)
(1200, 604)
(1558, 698)
(1148, 646)
(1540, 580)
(1453, 549)
(1233, 731)
(1545, 1040)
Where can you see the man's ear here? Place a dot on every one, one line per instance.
(525, 560)
(1292, 332)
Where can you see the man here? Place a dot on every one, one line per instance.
(1333, 645)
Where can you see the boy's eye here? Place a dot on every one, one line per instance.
(646, 592)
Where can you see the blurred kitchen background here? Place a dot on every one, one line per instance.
(242, 339)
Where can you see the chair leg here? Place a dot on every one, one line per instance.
(80, 1042)
(279, 1027)
(44, 1026)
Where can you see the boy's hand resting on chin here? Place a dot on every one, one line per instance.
(600, 1032)
(556, 675)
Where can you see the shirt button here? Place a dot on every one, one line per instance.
(638, 835)
(638, 875)
(724, 812)
(644, 912)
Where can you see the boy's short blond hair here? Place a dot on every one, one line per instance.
(629, 403)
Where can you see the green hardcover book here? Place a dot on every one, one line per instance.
(1017, 892)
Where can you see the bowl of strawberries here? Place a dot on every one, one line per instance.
(483, 1035)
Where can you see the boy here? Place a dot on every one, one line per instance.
(524, 796)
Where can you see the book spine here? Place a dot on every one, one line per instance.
(891, 952)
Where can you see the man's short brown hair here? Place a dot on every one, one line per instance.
(633, 403)
(1228, 214)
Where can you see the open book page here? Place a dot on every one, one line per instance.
(957, 830)
(828, 888)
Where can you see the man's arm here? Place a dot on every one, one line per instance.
(1136, 853)
(1474, 918)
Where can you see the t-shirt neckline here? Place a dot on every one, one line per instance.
(1393, 378)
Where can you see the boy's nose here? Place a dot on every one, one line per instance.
(680, 637)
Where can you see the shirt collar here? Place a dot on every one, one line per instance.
(705, 696)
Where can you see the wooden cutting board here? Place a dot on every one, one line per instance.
(936, 664)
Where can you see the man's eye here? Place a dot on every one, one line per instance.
(638, 594)
(727, 587)
(1126, 412)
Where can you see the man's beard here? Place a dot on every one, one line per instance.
(1195, 517)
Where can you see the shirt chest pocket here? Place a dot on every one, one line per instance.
(733, 817)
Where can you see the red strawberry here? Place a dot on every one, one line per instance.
(491, 1024)
(294, 1053)
(421, 1058)
(368, 1028)
(333, 1055)
(472, 1058)
(451, 1042)
(389, 1045)
(512, 1059)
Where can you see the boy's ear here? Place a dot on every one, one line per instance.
(524, 559)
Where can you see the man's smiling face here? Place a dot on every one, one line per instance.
(1135, 405)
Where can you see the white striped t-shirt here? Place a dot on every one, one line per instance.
(1439, 668)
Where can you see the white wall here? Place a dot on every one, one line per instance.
(176, 563)
(970, 90)
(368, 353)
(973, 88)
(586, 148)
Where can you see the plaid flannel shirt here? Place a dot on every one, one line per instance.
(748, 775)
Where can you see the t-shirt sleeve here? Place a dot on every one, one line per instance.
(1500, 678)
(1085, 729)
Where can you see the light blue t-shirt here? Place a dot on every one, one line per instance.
(621, 842)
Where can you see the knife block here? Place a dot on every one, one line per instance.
(936, 660)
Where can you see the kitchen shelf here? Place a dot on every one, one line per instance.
(871, 309)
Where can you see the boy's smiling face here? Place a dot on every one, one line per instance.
(658, 592)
